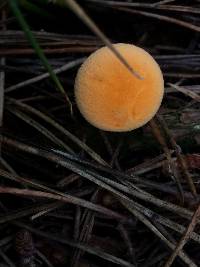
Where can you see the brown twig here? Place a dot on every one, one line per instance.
(29, 51)
(78, 10)
(38, 78)
(186, 91)
(172, 167)
(161, 17)
(64, 198)
(6, 259)
(84, 247)
(171, 245)
(60, 128)
(179, 155)
(159, 5)
(93, 177)
(126, 237)
(184, 238)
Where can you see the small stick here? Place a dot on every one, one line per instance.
(184, 238)
(172, 167)
(77, 9)
(43, 76)
(186, 91)
(179, 156)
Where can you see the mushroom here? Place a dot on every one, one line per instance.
(110, 97)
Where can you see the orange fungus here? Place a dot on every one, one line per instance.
(110, 97)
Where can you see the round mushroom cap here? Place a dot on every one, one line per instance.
(110, 97)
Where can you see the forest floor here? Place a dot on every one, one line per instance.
(70, 194)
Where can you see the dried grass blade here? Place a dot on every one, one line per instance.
(43, 130)
(162, 17)
(160, 6)
(43, 76)
(61, 129)
(15, 8)
(186, 91)
(11, 216)
(184, 238)
(57, 195)
(84, 247)
(179, 156)
(155, 217)
(98, 179)
(6, 259)
(144, 220)
(172, 167)
(77, 9)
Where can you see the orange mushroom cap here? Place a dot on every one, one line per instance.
(110, 97)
